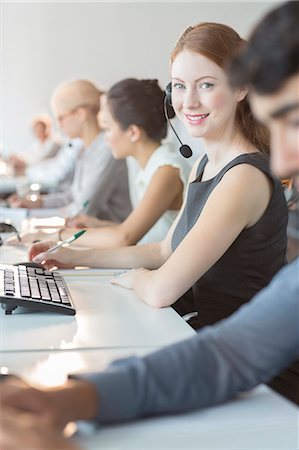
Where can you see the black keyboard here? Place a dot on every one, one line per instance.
(34, 288)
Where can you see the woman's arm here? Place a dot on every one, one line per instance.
(85, 221)
(230, 208)
(150, 256)
(164, 192)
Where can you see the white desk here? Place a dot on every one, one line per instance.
(15, 215)
(25, 219)
(46, 368)
(260, 419)
(112, 323)
(9, 183)
(13, 254)
(107, 317)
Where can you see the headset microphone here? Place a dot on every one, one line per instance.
(184, 149)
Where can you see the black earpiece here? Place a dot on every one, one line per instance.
(184, 149)
(168, 90)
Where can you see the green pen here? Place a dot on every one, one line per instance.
(84, 206)
(67, 241)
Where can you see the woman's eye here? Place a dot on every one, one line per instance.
(206, 85)
(178, 86)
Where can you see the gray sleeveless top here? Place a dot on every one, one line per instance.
(250, 262)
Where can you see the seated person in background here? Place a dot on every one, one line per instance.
(99, 178)
(230, 236)
(233, 356)
(45, 146)
(135, 124)
(59, 170)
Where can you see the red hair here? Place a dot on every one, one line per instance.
(218, 43)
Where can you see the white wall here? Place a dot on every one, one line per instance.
(45, 43)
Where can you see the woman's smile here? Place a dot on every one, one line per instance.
(196, 119)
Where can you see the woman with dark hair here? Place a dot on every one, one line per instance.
(132, 115)
(230, 237)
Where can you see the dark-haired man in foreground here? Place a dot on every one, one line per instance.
(238, 353)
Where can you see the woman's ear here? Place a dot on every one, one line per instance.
(241, 94)
(81, 113)
(135, 133)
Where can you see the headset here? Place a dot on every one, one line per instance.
(184, 149)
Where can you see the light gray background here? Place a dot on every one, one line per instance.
(46, 43)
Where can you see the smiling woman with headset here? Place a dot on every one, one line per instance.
(230, 236)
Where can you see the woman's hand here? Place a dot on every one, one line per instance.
(82, 221)
(127, 279)
(17, 202)
(62, 257)
(29, 238)
(18, 164)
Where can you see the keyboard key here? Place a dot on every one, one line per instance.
(62, 291)
(66, 301)
(9, 287)
(25, 292)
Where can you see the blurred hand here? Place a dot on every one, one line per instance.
(127, 279)
(18, 164)
(83, 221)
(62, 257)
(17, 202)
(19, 430)
(28, 238)
(52, 408)
(16, 394)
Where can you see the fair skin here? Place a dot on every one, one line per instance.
(280, 112)
(42, 133)
(206, 105)
(22, 430)
(80, 122)
(164, 192)
(284, 132)
(43, 427)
